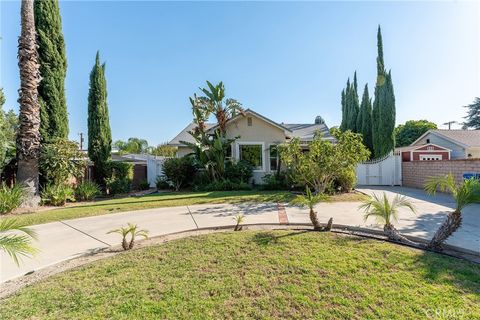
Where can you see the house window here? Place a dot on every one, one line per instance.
(252, 153)
(249, 121)
(430, 148)
(430, 157)
(428, 140)
(274, 158)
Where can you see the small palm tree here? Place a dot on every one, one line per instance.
(310, 200)
(130, 229)
(465, 194)
(16, 244)
(386, 212)
(239, 220)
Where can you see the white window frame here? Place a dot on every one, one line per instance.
(264, 158)
(278, 156)
(434, 157)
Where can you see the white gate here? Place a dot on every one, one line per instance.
(154, 169)
(386, 171)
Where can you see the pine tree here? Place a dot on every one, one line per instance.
(53, 68)
(473, 116)
(99, 134)
(383, 113)
(365, 119)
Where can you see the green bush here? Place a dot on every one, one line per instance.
(120, 176)
(225, 185)
(144, 185)
(238, 172)
(275, 182)
(60, 160)
(10, 198)
(87, 190)
(162, 183)
(180, 172)
(345, 181)
(57, 194)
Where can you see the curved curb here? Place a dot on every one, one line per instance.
(12, 285)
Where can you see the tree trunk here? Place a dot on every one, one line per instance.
(329, 225)
(393, 234)
(28, 137)
(314, 219)
(132, 243)
(449, 226)
(125, 244)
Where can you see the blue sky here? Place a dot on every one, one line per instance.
(286, 60)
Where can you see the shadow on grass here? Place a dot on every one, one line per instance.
(266, 238)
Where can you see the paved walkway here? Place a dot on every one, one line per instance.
(59, 241)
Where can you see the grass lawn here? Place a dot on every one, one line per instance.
(259, 275)
(166, 199)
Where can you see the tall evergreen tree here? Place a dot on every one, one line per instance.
(473, 116)
(99, 133)
(365, 120)
(383, 113)
(53, 68)
(344, 116)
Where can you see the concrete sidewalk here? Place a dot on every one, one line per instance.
(63, 240)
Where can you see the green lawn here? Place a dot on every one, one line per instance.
(259, 275)
(167, 199)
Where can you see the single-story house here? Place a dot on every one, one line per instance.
(259, 138)
(461, 144)
(428, 152)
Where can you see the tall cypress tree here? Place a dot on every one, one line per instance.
(99, 133)
(344, 119)
(53, 68)
(365, 119)
(383, 113)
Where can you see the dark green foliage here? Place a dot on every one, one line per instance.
(364, 121)
(350, 106)
(225, 185)
(143, 185)
(179, 171)
(343, 125)
(162, 183)
(406, 134)
(87, 190)
(119, 177)
(239, 172)
(275, 182)
(99, 134)
(53, 68)
(383, 113)
(8, 133)
(473, 116)
(57, 194)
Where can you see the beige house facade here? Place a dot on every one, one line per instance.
(258, 138)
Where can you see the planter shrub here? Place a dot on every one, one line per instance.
(10, 198)
(180, 172)
(57, 194)
(239, 172)
(275, 182)
(87, 190)
(120, 176)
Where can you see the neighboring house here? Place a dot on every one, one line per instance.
(461, 144)
(258, 139)
(428, 152)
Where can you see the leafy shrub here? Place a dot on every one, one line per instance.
(120, 176)
(10, 198)
(144, 185)
(60, 160)
(179, 171)
(225, 185)
(239, 172)
(87, 190)
(345, 181)
(275, 182)
(57, 194)
(162, 183)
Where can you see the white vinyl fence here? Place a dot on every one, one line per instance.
(386, 171)
(154, 169)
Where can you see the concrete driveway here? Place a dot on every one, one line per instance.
(63, 240)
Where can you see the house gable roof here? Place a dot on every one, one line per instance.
(463, 138)
(184, 135)
(421, 148)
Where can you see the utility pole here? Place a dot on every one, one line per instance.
(449, 124)
(81, 140)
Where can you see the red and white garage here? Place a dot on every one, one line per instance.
(428, 152)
